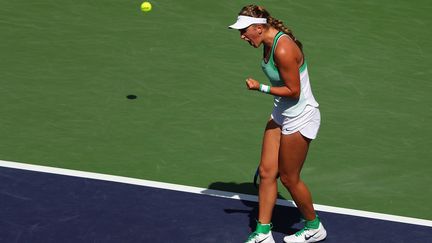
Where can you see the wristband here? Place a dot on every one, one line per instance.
(264, 88)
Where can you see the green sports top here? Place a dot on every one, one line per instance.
(288, 106)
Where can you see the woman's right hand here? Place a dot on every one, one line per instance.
(252, 84)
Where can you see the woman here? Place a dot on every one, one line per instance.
(294, 122)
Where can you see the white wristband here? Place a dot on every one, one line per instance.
(264, 88)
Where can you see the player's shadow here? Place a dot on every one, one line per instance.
(284, 217)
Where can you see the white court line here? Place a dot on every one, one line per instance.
(204, 191)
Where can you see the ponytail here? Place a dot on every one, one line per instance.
(260, 12)
(277, 24)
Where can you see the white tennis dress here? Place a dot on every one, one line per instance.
(293, 115)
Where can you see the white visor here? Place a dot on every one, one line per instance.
(246, 21)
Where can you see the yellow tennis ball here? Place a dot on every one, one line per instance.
(146, 6)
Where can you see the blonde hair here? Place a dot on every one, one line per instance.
(260, 12)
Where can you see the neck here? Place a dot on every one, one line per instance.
(269, 37)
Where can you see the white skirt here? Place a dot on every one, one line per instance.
(307, 123)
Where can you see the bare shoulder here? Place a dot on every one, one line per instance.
(287, 52)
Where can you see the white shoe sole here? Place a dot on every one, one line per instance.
(315, 238)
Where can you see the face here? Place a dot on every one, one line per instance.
(252, 35)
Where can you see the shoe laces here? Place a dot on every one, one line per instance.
(252, 235)
(259, 230)
(300, 232)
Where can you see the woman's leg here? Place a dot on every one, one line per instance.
(268, 171)
(292, 154)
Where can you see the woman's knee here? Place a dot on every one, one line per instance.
(289, 181)
(266, 172)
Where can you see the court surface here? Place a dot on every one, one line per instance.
(41, 204)
(67, 69)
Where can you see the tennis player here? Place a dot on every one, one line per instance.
(293, 124)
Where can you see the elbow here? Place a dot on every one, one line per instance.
(295, 94)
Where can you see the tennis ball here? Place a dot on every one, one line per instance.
(146, 6)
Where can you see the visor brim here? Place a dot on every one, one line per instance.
(246, 21)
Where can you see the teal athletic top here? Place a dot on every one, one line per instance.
(288, 106)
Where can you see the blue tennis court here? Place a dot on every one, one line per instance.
(46, 207)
